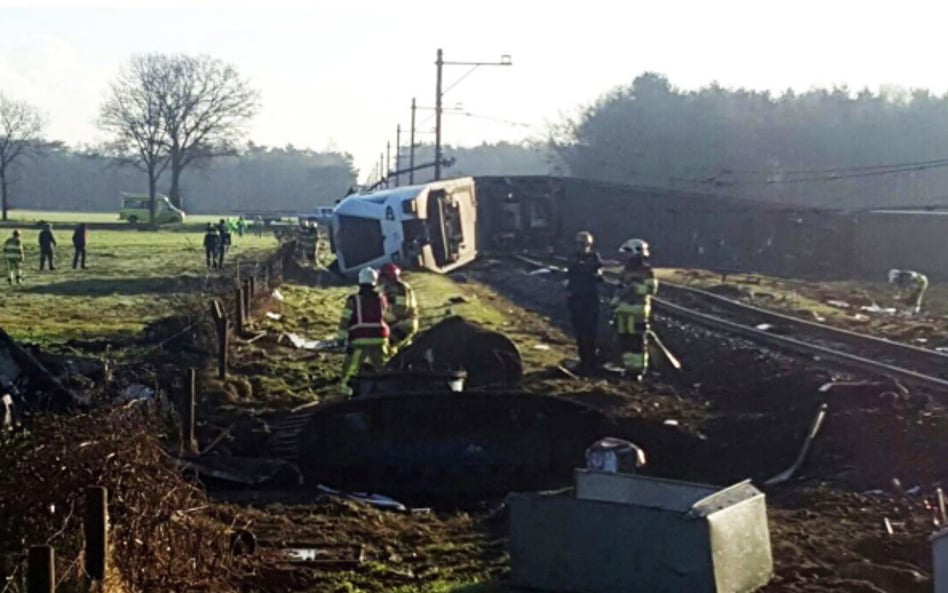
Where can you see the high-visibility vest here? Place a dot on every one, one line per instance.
(13, 248)
(634, 296)
(363, 318)
(402, 305)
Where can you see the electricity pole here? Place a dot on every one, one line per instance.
(440, 63)
(411, 152)
(398, 152)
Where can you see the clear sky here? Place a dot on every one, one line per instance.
(342, 73)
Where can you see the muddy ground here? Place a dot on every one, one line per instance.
(735, 412)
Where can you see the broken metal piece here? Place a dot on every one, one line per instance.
(801, 456)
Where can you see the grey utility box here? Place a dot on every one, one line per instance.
(634, 534)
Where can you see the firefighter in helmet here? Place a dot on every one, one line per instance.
(362, 328)
(402, 317)
(632, 307)
(584, 275)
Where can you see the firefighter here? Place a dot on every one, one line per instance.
(911, 288)
(632, 307)
(582, 286)
(13, 253)
(402, 317)
(308, 239)
(211, 245)
(47, 244)
(363, 329)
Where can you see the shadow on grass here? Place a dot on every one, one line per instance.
(120, 286)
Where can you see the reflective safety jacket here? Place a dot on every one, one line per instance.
(363, 318)
(307, 241)
(13, 249)
(403, 307)
(633, 298)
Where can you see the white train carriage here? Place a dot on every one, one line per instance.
(431, 226)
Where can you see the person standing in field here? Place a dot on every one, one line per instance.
(79, 244)
(47, 244)
(13, 253)
(211, 246)
(223, 241)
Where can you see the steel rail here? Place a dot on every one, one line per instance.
(843, 359)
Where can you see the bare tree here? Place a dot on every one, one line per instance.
(132, 114)
(21, 130)
(205, 107)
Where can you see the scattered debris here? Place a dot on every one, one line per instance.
(273, 316)
(278, 295)
(242, 471)
(543, 347)
(377, 500)
(137, 392)
(540, 271)
(566, 372)
(301, 343)
(838, 304)
(874, 308)
(764, 327)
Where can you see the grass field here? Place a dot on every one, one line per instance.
(132, 278)
(32, 216)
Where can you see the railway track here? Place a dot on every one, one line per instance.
(843, 348)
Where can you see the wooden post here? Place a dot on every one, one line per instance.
(41, 570)
(222, 332)
(220, 322)
(239, 316)
(248, 302)
(189, 417)
(96, 530)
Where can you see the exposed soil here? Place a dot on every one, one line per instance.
(736, 411)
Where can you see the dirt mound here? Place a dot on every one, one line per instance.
(489, 358)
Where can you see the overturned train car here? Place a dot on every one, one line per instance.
(443, 225)
(432, 226)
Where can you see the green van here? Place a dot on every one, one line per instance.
(135, 209)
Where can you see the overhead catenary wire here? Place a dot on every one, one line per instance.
(776, 175)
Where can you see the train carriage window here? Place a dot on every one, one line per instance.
(360, 240)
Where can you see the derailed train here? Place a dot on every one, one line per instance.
(444, 225)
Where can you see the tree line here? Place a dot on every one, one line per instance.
(257, 178)
(823, 147)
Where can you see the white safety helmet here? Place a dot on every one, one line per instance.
(635, 246)
(368, 276)
(585, 238)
